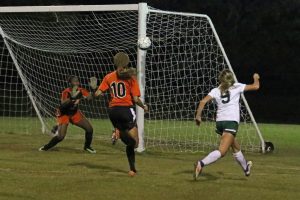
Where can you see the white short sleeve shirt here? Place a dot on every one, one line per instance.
(228, 103)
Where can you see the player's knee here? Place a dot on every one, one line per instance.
(89, 131)
(223, 152)
(129, 141)
(60, 137)
(235, 150)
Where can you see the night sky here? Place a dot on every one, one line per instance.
(258, 36)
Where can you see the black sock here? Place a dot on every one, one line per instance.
(88, 139)
(201, 163)
(130, 143)
(52, 143)
(131, 157)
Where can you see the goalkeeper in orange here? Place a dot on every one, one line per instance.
(124, 92)
(68, 112)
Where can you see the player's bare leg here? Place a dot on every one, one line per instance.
(226, 141)
(62, 131)
(131, 140)
(86, 125)
(239, 157)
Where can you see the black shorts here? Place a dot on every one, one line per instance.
(122, 118)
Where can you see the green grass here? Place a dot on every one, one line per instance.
(67, 172)
(182, 135)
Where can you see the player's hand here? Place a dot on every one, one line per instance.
(256, 76)
(146, 109)
(198, 121)
(93, 83)
(76, 102)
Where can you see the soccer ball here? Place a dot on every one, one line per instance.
(144, 43)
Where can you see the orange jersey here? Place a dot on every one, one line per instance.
(72, 108)
(121, 91)
(67, 93)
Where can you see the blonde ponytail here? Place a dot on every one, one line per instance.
(226, 80)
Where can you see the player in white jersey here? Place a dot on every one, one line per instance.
(227, 97)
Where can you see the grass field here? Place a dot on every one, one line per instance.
(67, 172)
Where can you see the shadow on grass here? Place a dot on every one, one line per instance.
(202, 177)
(230, 177)
(100, 167)
(67, 149)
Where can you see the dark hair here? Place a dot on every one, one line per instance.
(72, 78)
(226, 80)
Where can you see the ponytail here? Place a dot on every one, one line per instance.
(226, 80)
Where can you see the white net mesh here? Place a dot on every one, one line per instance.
(16, 111)
(49, 47)
(181, 67)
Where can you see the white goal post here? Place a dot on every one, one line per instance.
(42, 45)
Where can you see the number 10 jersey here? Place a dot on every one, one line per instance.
(121, 91)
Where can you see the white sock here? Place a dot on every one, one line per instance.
(211, 157)
(239, 157)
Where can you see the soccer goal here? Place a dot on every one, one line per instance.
(43, 45)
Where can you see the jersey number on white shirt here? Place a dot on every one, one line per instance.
(225, 97)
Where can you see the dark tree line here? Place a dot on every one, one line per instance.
(258, 36)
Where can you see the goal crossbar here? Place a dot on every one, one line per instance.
(74, 8)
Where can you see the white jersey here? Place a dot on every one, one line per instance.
(228, 103)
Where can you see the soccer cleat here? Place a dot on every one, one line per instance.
(197, 169)
(131, 173)
(42, 148)
(90, 150)
(248, 169)
(115, 136)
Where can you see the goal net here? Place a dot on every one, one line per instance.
(41, 49)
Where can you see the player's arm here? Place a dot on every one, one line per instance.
(98, 93)
(65, 101)
(102, 88)
(86, 94)
(255, 85)
(200, 108)
(135, 92)
(139, 102)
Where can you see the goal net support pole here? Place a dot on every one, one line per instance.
(141, 62)
(24, 81)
